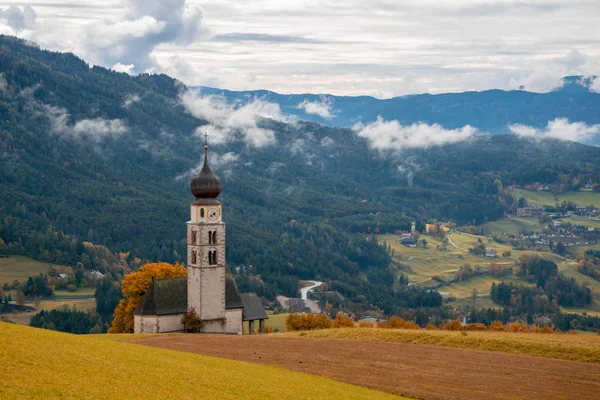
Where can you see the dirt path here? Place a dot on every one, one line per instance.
(422, 371)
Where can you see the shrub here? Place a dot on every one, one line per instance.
(366, 324)
(517, 327)
(474, 327)
(497, 326)
(431, 327)
(191, 322)
(397, 323)
(71, 288)
(454, 325)
(307, 322)
(342, 322)
(268, 329)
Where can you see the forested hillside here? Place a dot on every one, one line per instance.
(105, 157)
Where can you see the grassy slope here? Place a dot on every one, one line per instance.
(426, 263)
(96, 367)
(512, 225)
(21, 268)
(277, 321)
(585, 348)
(545, 198)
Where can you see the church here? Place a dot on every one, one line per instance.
(207, 289)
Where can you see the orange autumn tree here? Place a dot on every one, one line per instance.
(135, 285)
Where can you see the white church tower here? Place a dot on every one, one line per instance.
(206, 251)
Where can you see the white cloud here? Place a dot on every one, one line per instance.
(327, 141)
(293, 47)
(323, 108)
(128, 69)
(18, 18)
(228, 123)
(95, 129)
(3, 83)
(131, 99)
(391, 135)
(595, 86)
(560, 128)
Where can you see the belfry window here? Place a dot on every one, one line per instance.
(214, 237)
(193, 237)
(194, 257)
(212, 258)
(202, 213)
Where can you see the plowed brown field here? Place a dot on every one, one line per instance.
(422, 371)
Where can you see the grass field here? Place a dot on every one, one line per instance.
(97, 367)
(584, 221)
(535, 198)
(52, 304)
(21, 268)
(585, 198)
(424, 263)
(512, 225)
(277, 321)
(584, 348)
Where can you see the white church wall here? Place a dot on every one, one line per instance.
(157, 323)
(234, 321)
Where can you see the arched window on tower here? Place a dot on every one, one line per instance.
(194, 256)
(212, 258)
(193, 237)
(202, 213)
(214, 237)
(210, 238)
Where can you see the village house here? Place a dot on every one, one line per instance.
(529, 212)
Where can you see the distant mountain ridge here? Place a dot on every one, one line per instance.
(490, 111)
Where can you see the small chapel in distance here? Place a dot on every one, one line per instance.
(207, 289)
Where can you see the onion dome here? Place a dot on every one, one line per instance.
(206, 185)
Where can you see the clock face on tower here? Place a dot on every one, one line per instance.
(213, 214)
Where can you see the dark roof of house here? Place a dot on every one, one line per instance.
(253, 309)
(169, 296)
(232, 296)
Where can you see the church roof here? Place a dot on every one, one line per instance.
(169, 296)
(205, 185)
(164, 296)
(253, 308)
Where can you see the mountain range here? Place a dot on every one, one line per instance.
(491, 111)
(92, 155)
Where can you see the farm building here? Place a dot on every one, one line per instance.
(531, 211)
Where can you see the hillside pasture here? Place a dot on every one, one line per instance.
(20, 268)
(422, 264)
(542, 198)
(539, 198)
(37, 363)
(583, 221)
(512, 225)
(277, 321)
(23, 318)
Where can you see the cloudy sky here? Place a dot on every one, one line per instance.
(382, 48)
